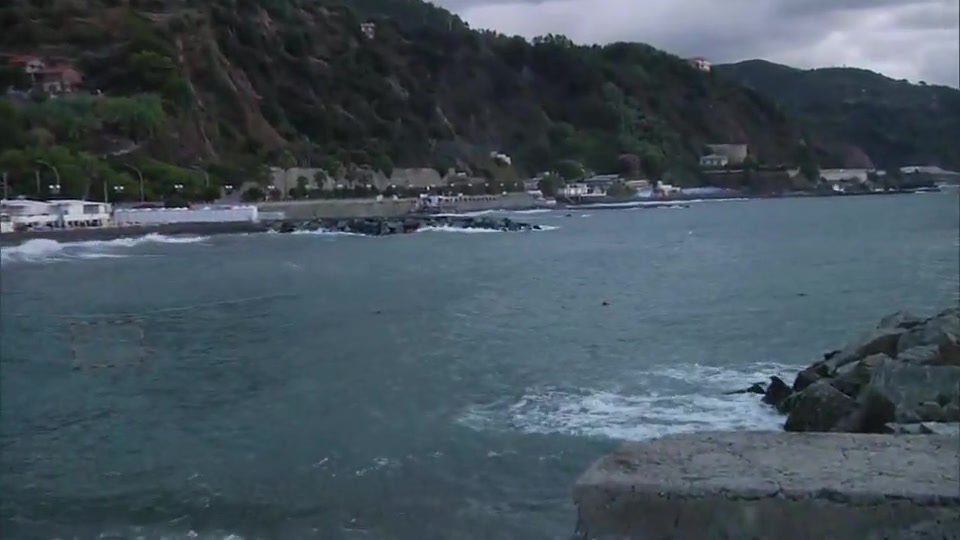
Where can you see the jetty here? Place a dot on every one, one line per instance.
(788, 486)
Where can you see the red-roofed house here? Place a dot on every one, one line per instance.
(54, 78)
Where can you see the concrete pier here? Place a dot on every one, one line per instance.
(783, 486)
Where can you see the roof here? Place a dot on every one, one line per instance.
(21, 58)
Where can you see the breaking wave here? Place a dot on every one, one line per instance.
(636, 415)
(41, 250)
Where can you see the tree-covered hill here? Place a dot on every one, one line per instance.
(241, 83)
(855, 112)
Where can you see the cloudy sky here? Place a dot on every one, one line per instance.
(909, 39)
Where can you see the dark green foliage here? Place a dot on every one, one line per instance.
(894, 122)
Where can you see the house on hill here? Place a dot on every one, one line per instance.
(53, 77)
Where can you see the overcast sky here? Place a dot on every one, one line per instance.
(908, 39)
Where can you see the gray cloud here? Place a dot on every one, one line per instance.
(910, 39)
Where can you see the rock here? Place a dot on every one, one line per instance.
(951, 429)
(949, 349)
(881, 341)
(776, 392)
(820, 407)
(907, 429)
(810, 375)
(924, 355)
(951, 412)
(944, 328)
(755, 388)
(850, 379)
(905, 386)
(900, 319)
(930, 411)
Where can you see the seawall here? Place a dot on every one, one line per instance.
(788, 486)
(388, 208)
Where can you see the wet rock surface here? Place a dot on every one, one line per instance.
(904, 372)
(378, 226)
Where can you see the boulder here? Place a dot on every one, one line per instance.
(930, 411)
(880, 341)
(924, 355)
(820, 407)
(776, 392)
(810, 375)
(851, 379)
(944, 328)
(900, 319)
(905, 386)
(951, 412)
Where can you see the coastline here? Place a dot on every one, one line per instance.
(113, 233)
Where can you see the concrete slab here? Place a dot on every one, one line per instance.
(784, 486)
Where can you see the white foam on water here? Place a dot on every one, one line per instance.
(449, 229)
(42, 250)
(615, 414)
(324, 232)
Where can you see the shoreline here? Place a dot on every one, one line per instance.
(114, 232)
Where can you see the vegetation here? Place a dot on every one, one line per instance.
(856, 114)
(198, 95)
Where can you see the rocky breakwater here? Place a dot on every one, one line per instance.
(378, 226)
(901, 377)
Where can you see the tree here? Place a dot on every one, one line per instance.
(254, 194)
(549, 185)
(630, 165)
(620, 189)
(570, 170)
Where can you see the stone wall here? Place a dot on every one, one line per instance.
(340, 208)
(788, 486)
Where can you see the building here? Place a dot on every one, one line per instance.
(369, 29)
(501, 158)
(574, 190)
(736, 154)
(58, 214)
(714, 161)
(700, 63)
(52, 77)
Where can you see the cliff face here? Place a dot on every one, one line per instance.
(861, 118)
(299, 82)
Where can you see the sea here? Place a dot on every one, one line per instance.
(445, 384)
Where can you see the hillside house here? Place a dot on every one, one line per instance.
(736, 154)
(714, 161)
(51, 77)
(700, 63)
(369, 29)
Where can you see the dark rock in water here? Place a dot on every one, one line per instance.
(820, 407)
(777, 391)
(755, 388)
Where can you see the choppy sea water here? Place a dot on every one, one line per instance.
(437, 385)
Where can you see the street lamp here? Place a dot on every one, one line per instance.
(178, 187)
(228, 188)
(54, 188)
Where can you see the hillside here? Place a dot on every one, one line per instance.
(855, 112)
(225, 86)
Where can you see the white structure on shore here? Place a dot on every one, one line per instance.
(58, 214)
(203, 214)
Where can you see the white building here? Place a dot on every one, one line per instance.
(574, 190)
(501, 158)
(77, 213)
(58, 214)
(701, 63)
(714, 161)
(6, 224)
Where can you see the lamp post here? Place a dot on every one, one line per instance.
(36, 172)
(140, 176)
